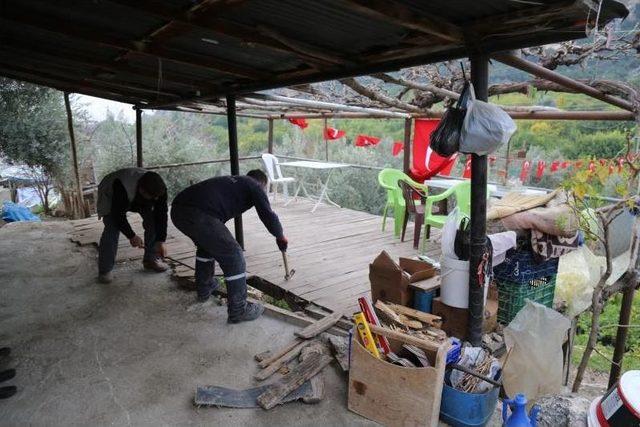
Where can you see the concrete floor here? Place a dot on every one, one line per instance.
(127, 353)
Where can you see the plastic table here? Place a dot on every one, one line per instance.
(319, 166)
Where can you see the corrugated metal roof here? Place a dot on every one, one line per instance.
(153, 52)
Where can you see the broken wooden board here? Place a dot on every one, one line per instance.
(231, 398)
(340, 347)
(405, 338)
(320, 326)
(277, 354)
(281, 361)
(276, 392)
(428, 318)
(317, 382)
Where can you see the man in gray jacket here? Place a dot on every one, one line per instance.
(132, 190)
(200, 212)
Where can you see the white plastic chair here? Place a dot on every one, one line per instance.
(275, 175)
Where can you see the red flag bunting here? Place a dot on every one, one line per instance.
(333, 134)
(492, 160)
(578, 164)
(602, 162)
(610, 169)
(397, 148)
(467, 168)
(524, 172)
(555, 165)
(540, 169)
(620, 164)
(366, 140)
(592, 166)
(300, 122)
(565, 164)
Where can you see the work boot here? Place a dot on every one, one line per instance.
(251, 312)
(7, 375)
(105, 277)
(155, 265)
(210, 289)
(8, 391)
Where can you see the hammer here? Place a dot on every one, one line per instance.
(287, 273)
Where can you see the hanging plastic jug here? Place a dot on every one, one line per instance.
(519, 416)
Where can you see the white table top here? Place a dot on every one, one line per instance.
(314, 165)
(495, 190)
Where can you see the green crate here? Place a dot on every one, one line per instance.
(512, 296)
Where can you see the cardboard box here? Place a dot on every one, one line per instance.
(455, 320)
(394, 395)
(390, 281)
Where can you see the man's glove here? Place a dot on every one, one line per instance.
(283, 243)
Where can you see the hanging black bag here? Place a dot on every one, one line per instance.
(462, 243)
(445, 139)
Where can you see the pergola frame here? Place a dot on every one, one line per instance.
(402, 35)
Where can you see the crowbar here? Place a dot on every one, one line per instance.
(288, 274)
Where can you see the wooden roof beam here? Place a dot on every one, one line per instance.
(96, 36)
(539, 71)
(399, 14)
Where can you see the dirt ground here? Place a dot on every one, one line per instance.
(128, 353)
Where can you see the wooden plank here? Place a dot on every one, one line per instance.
(319, 326)
(428, 318)
(281, 361)
(294, 379)
(277, 354)
(317, 381)
(405, 338)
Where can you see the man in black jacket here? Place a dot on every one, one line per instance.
(200, 212)
(132, 190)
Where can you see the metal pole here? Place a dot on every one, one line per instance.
(270, 136)
(621, 335)
(74, 155)
(139, 161)
(324, 136)
(480, 80)
(233, 155)
(406, 159)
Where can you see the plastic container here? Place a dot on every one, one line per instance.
(592, 415)
(454, 283)
(620, 406)
(460, 409)
(521, 267)
(512, 296)
(423, 300)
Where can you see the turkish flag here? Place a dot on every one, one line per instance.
(466, 173)
(592, 166)
(333, 133)
(620, 164)
(565, 164)
(366, 141)
(540, 169)
(555, 165)
(524, 172)
(602, 162)
(300, 122)
(397, 148)
(578, 164)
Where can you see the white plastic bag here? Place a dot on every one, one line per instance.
(578, 273)
(535, 337)
(448, 234)
(486, 127)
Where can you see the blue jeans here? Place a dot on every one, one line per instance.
(214, 242)
(108, 248)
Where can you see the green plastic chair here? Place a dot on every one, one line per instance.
(462, 193)
(388, 179)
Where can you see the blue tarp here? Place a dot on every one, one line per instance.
(12, 212)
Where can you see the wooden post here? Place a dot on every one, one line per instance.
(406, 159)
(234, 158)
(139, 161)
(621, 335)
(480, 80)
(324, 136)
(270, 136)
(74, 158)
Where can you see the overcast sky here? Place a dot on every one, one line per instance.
(97, 108)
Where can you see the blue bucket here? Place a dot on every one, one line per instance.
(423, 300)
(461, 409)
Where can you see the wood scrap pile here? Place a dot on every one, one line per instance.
(295, 371)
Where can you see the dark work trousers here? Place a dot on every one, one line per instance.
(214, 242)
(108, 248)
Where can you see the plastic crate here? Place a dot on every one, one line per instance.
(512, 296)
(519, 266)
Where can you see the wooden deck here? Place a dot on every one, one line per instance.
(330, 250)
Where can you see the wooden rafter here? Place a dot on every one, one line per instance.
(401, 15)
(379, 96)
